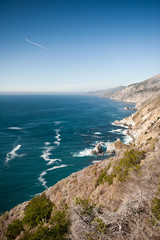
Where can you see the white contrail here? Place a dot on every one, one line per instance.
(36, 44)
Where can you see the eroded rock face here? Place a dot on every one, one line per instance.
(110, 148)
(98, 149)
(144, 125)
(115, 147)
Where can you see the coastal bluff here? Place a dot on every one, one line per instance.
(117, 198)
(137, 93)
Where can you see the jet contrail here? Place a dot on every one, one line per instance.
(36, 44)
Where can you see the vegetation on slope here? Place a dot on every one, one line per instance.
(38, 223)
(130, 161)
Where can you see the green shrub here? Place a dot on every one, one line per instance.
(155, 208)
(59, 227)
(27, 236)
(101, 227)
(14, 229)
(39, 209)
(60, 222)
(87, 208)
(131, 160)
(104, 177)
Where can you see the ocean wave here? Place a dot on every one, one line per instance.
(57, 122)
(116, 131)
(57, 143)
(84, 135)
(58, 139)
(83, 153)
(15, 128)
(42, 180)
(95, 161)
(41, 177)
(51, 161)
(55, 167)
(46, 153)
(127, 139)
(103, 144)
(119, 125)
(12, 154)
(97, 133)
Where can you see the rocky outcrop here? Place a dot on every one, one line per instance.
(116, 147)
(144, 125)
(98, 150)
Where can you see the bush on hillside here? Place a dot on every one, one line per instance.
(131, 160)
(14, 229)
(39, 209)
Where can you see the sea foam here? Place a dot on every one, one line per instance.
(83, 153)
(12, 154)
(15, 128)
(41, 177)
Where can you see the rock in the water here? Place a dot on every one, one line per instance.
(97, 150)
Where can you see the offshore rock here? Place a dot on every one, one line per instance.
(97, 150)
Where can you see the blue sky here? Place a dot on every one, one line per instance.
(77, 45)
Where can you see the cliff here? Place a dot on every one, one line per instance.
(117, 198)
(138, 93)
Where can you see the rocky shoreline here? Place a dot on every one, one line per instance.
(115, 196)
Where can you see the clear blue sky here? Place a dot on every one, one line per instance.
(77, 45)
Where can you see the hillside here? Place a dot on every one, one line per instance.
(136, 93)
(106, 93)
(139, 92)
(117, 198)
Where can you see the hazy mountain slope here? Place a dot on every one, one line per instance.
(106, 93)
(139, 92)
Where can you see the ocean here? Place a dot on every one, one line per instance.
(45, 138)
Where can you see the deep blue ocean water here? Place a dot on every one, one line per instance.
(44, 138)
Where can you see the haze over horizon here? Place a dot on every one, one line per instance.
(60, 46)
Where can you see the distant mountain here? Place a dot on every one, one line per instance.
(138, 93)
(106, 93)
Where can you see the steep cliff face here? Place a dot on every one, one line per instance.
(144, 125)
(118, 198)
(139, 92)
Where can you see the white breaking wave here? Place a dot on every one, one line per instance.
(57, 122)
(98, 133)
(55, 167)
(83, 153)
(46, 153)
(12, 154)
(42, 180)
(127, 139)
(57, 143)
(95, 161)
(58, 139)
(116, 131)
(15, 128)
(53, 160)
(41, 177)
(119, 125)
